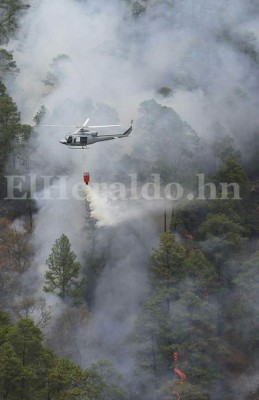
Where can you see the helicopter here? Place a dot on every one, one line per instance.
(84, 135)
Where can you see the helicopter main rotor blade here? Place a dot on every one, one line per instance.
(85, 123)
(101, 126)
(64, 126)
(83, 126)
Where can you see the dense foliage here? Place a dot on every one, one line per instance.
(28, 370)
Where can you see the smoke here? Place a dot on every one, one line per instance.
(120, 291)
(80, 59)
(203, 51)
(100, 210)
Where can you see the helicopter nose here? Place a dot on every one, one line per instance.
(63, 141)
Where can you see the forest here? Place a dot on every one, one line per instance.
(109, 298)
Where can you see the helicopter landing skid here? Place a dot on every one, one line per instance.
(79, 148)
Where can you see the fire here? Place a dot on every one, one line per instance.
(181, 375)
(178, 372)
(188, 236)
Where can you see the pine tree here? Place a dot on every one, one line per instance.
(151, 332)
(11, 371)
(231, 171)
(40, 115)
(166, 263)
(30, 371)
(7, 63)
(9, 126)
(10, 10)
(63, 274)
(179, 317)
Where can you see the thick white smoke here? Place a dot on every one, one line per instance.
(200, 49)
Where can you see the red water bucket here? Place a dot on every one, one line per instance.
(86, 178)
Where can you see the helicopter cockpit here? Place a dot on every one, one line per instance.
(68, 139)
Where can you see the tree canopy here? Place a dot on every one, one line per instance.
(62, 276)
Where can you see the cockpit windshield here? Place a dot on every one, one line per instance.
(69, 139)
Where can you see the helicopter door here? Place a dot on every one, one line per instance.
(83, 141)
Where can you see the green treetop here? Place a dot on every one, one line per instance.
(10, 371)
(166, 262)
(62, 276)
(10, 11)
(30, 371)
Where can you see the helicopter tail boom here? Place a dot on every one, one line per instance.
(127, 133)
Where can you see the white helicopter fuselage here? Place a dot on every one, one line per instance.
(80, 140)
(83, 138)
